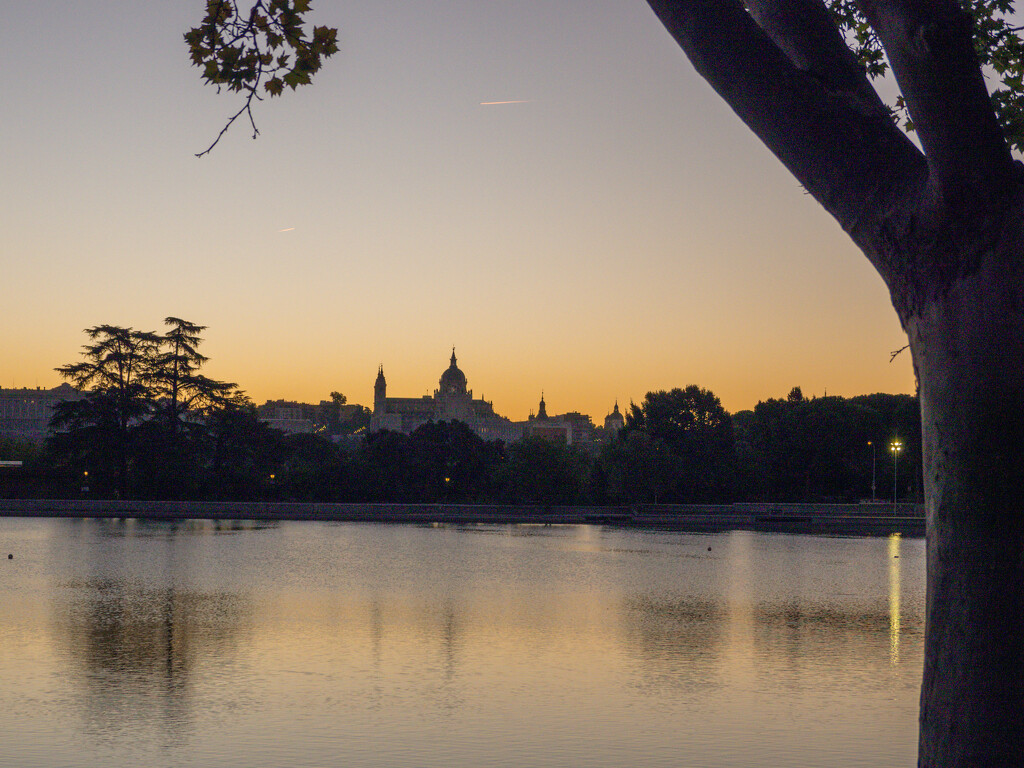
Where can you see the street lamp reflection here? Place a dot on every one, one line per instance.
(894, 598)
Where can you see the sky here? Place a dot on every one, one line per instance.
(615, 230)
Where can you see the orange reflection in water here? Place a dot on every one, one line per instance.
(393, 645)
(894, 597)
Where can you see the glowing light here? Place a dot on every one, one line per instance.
(894, 598)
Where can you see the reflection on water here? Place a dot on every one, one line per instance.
(133, 630)
(137, 652)
(894, 598)
(205, 643)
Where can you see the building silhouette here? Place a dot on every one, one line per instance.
(25, 413)
(572, 428)
(327, 418)
(454, 401)
(451, 401)
(613, 422)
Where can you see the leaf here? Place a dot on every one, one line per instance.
(245, 52)
(997, 42)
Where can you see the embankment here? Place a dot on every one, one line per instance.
(850, 519)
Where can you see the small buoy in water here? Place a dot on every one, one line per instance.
(709, 549)
(10, 557)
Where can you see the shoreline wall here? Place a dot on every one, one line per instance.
(851, 519)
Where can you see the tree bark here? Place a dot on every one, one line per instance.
(945, 229)
(968, 351)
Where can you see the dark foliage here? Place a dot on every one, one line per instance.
(258, 49)
(152, 426)
(821, 449)
(540, 471)
(686, 452)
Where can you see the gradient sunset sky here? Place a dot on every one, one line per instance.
(612, 231)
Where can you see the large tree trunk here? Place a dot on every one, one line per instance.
(943, 223)
(968, 347)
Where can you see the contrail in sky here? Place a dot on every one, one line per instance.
(490, 103)
(288, 229)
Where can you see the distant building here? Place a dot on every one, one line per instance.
(451, 401)
(546, 428)
(25, 413)
(613, 422)
(327, 417)
(572, 428)
(290, 417)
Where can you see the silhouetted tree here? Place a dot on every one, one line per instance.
(141, 426)
(170, 445)
(943, 223)
(899, 418)
(116, 372)
(540, 471)
(450, 462)
(751, 472)
(697, 431)
(640, 468)
(439, 461)
(815, 449)
(383, 468)
(312, 469)
(16, 449)
(241, 454)
(258, 49)
(182, 391)
(30, 479)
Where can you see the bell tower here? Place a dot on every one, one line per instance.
(380, 388)
(542, 411)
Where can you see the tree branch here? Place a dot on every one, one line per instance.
(805, 104)
(267, 49)
(247, 109)
(806, 32)
(929, 44)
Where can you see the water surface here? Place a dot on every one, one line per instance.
(125, 643)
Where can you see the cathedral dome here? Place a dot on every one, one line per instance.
(453, 380)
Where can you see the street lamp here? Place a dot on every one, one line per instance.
(871, 443)
(895, 447)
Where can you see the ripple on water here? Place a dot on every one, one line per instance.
(307, 644)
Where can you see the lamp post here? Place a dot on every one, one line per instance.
(872, 444)
(895, 447)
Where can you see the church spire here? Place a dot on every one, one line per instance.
(453, 358)
(542, 411)
(380, 388)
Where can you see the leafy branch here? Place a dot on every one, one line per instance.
(997, 42)
(259, 51)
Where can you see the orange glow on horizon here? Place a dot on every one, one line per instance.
(624, 235)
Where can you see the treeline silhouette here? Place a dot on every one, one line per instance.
(151, 426)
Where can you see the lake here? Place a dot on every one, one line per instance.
(201, 643)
